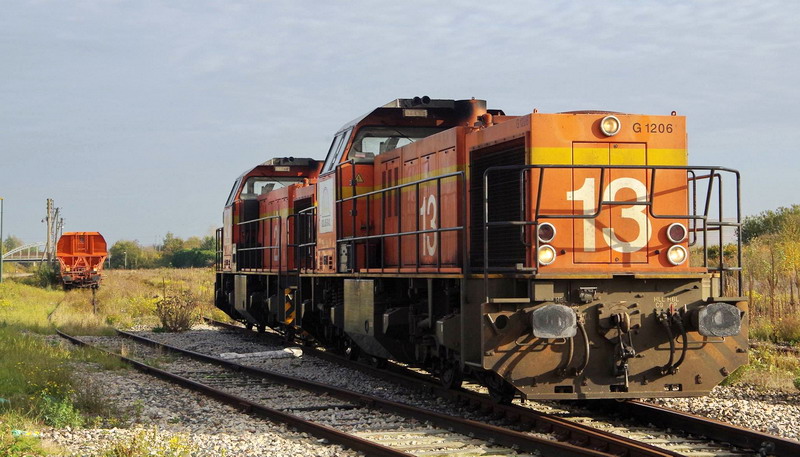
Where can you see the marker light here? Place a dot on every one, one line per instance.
(676, 232)
(676, 254)
(546, 254)
(610, 125)
(546, 232)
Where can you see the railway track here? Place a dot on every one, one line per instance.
(682, 433)
(364, 423)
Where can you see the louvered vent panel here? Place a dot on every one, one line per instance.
(505, 245)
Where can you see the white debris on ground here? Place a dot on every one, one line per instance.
(285, 353)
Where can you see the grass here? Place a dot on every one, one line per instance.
(38, 383)
(785, 330)
(150, 443)
(768, 369)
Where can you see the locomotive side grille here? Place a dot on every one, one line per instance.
(505, 245)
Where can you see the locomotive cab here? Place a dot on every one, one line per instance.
(251, 212)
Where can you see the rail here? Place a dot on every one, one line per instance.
(492, 434)
(353, 240)
(566, 429)
(701, 222)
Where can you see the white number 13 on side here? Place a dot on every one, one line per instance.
(637, 213)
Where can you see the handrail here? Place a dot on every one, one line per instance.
(218, 249)
(249, 258)
(302, 260)
(714, 173)
(352, 239)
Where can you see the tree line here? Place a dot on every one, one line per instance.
(771, 263)
(193, 252)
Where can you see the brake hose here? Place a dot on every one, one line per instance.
(678, 320)
(664, 319)
(585, 337)
(570, 351)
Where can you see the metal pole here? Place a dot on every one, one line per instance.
(2, 245)
(126, 259)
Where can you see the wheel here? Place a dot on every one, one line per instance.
(451, 376)
(249, 326)
(261, 328)
(378, 362)
(289, 334)
(351, 351)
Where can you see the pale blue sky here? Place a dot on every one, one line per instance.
(136, 116)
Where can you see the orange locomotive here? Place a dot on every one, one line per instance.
(80, 258)
(544, 254)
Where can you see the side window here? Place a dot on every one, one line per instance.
(336, 150)
(233, 192)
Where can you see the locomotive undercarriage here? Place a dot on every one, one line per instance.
(550, 339)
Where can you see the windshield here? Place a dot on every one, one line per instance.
(262, 185)
(372, 141)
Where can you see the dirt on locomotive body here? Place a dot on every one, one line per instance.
(81, 256)
(546, 255)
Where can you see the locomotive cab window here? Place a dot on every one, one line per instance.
(260, 185)
(372, 141)
(337, 149)
(232, 195)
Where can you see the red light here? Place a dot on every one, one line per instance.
(546, 232)
(676, 232)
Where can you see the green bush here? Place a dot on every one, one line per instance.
(60, 412)
(44, 276)
(178, 312)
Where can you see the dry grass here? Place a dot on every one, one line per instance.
(768, 369)
(178, 311)
(37, 384)
(129, 298)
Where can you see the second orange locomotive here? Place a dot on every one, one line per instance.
(543, 254)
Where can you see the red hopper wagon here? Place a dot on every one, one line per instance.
(80, 257)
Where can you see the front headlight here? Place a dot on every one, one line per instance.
(610, 125)
(546, 254)
(677, 255)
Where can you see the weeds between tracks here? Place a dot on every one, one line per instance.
(40, 382)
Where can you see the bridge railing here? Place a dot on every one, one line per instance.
(33, 252)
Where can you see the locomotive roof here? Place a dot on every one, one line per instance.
(413, 103)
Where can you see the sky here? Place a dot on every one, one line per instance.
(137, 116)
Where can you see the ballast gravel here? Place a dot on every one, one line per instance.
(215, 429)
(204, 426)
(768, 411)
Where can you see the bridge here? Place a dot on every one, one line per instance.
(33, 252)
